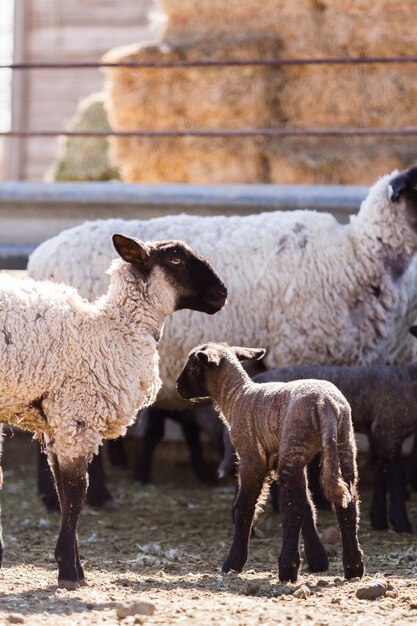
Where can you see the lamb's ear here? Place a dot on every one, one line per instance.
(131, 250)
(413, 330)
(208, 357)
(249, 354)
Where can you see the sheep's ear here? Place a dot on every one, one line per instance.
(249, 354)
(413, 331)
(131, 250)
(405, 181)
(210, 358)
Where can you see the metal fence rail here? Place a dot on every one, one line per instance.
(32, 212)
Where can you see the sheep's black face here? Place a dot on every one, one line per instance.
(191, 382)
(199, 288)
(195, 282)
(405, 186)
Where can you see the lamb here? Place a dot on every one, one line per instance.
(383, 399)
(278, 428)
(75, 373)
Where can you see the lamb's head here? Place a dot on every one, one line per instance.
(204, 364)
(184, 278)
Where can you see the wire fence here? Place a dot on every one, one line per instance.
(221, 132)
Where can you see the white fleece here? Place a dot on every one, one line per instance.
(305, 287)
(78, 372)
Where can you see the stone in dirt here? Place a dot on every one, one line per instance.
(302, 592)
(372, 591)
(13, 618)
(137, 607)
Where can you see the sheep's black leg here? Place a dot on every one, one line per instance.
(45, 483)
(192, 438)
(412, 465)
(378, 512)
(154, 432)
(315, 553)
(397, 494)
(292, 505)
(116, 450)
(274, 495)
(97, 493)
(251, 480)
(71, 479)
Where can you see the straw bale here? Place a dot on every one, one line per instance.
(85, 158)
(192, 21)
(349, 95)
(337, 160)
(366, 27)
(213, 97)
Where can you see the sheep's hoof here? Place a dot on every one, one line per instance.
(354, 571)
(288, 573)
(69, 585)
(231, 566)
(83, 583)
(318, 563)
(378, 521)
(402, 525)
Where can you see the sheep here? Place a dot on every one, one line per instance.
(75, 373)
(334, 294)
(383, 399)
(278, 428)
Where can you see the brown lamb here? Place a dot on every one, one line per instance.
(277, 429)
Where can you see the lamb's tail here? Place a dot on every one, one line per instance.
(334, 486)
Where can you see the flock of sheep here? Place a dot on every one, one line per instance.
(77, 365)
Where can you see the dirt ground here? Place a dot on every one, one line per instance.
(165, 545)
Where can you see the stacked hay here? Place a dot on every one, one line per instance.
(85, 158)
(192, 21)
(180, 98)
(343, 95)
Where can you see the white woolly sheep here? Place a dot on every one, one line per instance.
(75, 373)
(333, 294)
(277, 429)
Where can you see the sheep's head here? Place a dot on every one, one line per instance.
(404, 187)
(183, 273)
(206, 360)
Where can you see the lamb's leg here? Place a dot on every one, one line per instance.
(154, 432)
(378, 511)
(192, 438)
(71, 480)
(97, 493)
(348, 518)
(412, 465)
(397, 494)
(251, 481)
(292, 505)
(315, 553)
(313, 473)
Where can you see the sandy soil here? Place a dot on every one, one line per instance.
(165, 545)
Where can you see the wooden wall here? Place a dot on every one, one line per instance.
(59, 30)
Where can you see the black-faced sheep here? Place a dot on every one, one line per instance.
(75, 373)
(279, 428)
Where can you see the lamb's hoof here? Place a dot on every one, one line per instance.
(69, 585)
(232, 566)
(378, 523)
(288, 573)
(402, 525)
(82, 582)
(354, 571)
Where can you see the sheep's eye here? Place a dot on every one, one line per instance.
(176, 261)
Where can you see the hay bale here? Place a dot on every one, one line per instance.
(349, 95)
(213, 97)
(193, 21)
(366, 27)
(337, 160)
(85, 158)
